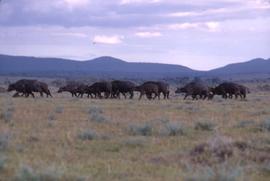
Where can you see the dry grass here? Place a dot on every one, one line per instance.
(44, 133)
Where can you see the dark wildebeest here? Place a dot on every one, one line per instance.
(100, 87)
(243, 91)
(27, 87)
(21, 86)
(44, 88)
(148, 89)
(163, 88)
(122, 87)
(80, 90)
(194, 89)
(228, 89)
(71, 88)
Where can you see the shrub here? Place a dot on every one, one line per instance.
(50, 173)
(265, 125)
(96, 115)
(96, 110)
(135, 142)
(26, 173)
(216, 150)
(204, 126)
(4, 141)
(244, 124)
(174, 129)
(51, 117)
(87, 135)
(7, 114)
(141, 130)
(59, 110)
(98, 118)
(265, 168)
(3, 161)
(221, 173)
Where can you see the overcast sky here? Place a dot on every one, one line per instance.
(201, 34)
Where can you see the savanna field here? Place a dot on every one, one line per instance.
(65, 138)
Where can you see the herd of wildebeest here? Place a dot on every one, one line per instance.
(116, 88)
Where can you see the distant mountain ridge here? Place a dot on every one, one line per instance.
(254, 66)
(113, 67)
(102, 66)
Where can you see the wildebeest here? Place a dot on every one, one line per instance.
(100, 87)
(230, 89)
(243, 91)
(71, 88)
(163, 88)
(226, 90)
(122, 87)
(148, 88)
(194, 89)
(80, 90)
(28, 86)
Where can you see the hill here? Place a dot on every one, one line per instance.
(255, 66)
(102, 66)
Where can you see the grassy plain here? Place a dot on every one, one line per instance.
(64, 138)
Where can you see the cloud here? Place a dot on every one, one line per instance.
(126, 13)
(138, 1)
(78, 35)
(103, 39)
(71, 4)
(147, 34)
(210, 26)
(183, 26)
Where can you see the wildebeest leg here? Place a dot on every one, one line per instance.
(186, 96)
(142, 93)
(204, 96)
(156, 95)
(32, 94)
(26, 94)
(16, 94)
(107, 95)
(149, 96)
(99, 96)
(164, 95)
(49, 94)
(131, 95)
(168, 95)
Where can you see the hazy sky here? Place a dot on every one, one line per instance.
(201, 34)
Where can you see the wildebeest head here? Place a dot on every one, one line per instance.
(216, 90)
(180, 90)
(61, 89)
(11, 87)
(212, 90)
